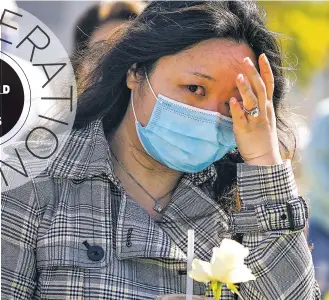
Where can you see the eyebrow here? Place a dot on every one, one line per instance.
(203, 75)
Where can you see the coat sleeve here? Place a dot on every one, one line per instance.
(272, 219)
(20, 218)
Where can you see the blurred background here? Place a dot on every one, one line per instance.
(305, 40)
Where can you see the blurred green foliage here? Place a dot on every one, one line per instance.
(306, 26)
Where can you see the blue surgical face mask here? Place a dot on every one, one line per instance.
(183, 137)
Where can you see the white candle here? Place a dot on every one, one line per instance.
(190, 256)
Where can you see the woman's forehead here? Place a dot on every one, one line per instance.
(216, 55)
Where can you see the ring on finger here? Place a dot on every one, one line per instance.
(253, 112)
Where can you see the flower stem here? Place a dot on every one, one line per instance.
(216, 286)
(219, 290)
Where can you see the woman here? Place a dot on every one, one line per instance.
(153, 155)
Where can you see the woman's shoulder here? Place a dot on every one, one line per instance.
(34, 194)
(84, 154)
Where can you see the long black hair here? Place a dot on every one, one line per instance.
(166, 28)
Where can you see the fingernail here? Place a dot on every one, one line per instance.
(248, 61)
(265, 57)
(241, 78)
(233, 100)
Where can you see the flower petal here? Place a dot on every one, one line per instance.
(201, 271)
(241, 274)
(229, 254)
(219, 273)
(233, 247)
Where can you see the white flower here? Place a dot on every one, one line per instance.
(226, 265)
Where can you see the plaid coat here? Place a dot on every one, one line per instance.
(73, 233)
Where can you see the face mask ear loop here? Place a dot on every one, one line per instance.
(132, 96)
(132, 105)
(147, 78)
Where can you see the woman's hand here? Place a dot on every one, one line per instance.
(256, 137)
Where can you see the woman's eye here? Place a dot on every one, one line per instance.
(197, 89)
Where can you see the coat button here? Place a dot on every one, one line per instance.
(95, 253)
(283, 217)
(182, 272)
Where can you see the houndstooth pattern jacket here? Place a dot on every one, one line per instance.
(73, 233)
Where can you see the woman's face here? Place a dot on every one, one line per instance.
(203, 76)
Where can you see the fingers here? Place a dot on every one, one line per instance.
(250, 101)
(256, 83)
(267, 75)
(255, 89)
(238, 115)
